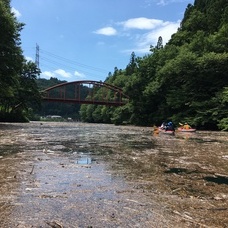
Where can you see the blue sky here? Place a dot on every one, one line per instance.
(87, 39)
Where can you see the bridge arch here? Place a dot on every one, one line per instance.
(86, 92)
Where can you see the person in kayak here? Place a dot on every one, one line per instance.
(185, 126)
(163, 125)
(169, 126)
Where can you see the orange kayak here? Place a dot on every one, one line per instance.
(186, 130)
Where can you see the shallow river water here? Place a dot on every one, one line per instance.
(96, 175)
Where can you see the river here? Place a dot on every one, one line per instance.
(99, 175)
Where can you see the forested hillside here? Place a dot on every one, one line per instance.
(56, 108)
(184, 80)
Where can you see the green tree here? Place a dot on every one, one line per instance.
(132, 66)
(28, 93)
(11, 57)
(17, 77)
(185, 80)
(159, 43)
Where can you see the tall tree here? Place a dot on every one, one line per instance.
(132, 66)
(186, 80)
(159, 43)
(28, 94)
(17, 77)
(11, 56)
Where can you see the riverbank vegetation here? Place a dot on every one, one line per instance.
(185, 80)
(19, 91)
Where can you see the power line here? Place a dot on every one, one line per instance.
(53, 62)
(73, 62)
(53, 68)
(58, 64)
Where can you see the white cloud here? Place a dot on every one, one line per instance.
(164, 31)
(63, 73)
(141, 23)
(143, 31)
(47, 75)
(161, 2)
(168, 30)
(107, 31)
(79, 75)
(28, 58)
(143, 42)
(60, 74)
(167, 2)
(16, 12)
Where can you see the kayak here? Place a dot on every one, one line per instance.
(186, 130)
(168, 132)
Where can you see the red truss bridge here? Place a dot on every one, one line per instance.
(86, 92)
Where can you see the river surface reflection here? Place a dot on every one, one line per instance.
(94, 175)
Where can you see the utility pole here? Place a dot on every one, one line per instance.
(37, 62)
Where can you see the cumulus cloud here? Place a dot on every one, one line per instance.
(60, 73)
(47, 74)
(143, 31)
(107, 31)
(16, 12)
(141, 23)
(28, 58)
(79, 75)
(164, 31)
(167, 2)
(63, 73)
(143, 41)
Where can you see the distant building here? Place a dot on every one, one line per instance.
(53, 117)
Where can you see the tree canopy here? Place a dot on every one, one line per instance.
(17, 76)
(184, 80)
